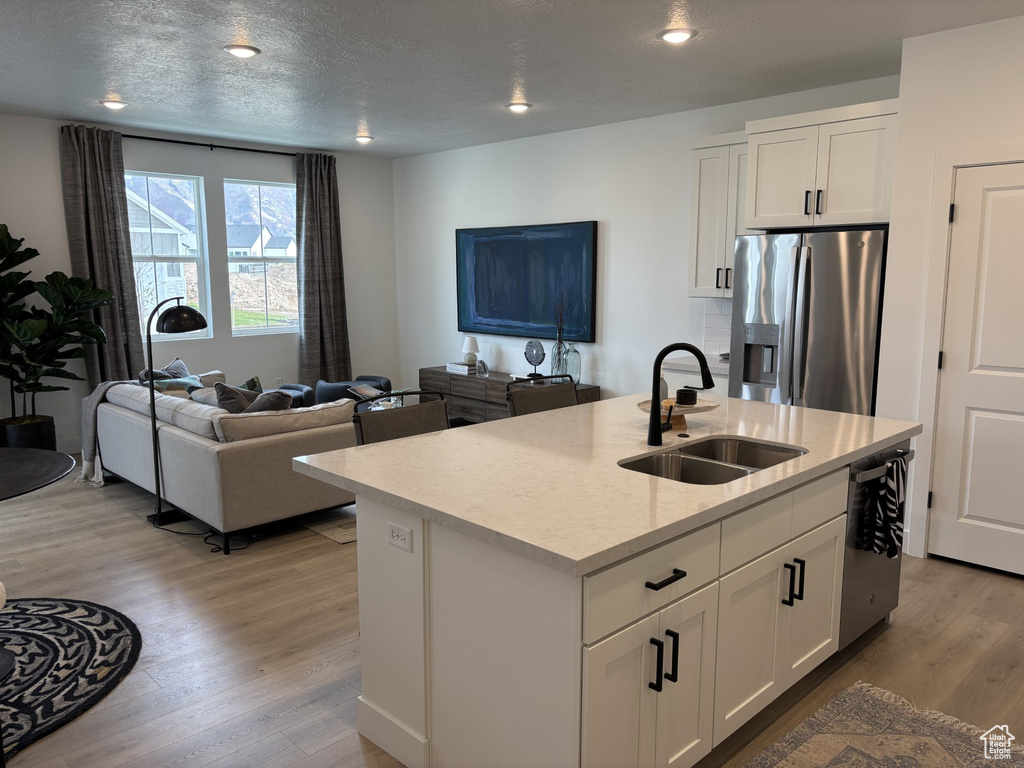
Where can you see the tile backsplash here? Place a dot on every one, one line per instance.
(717, 326)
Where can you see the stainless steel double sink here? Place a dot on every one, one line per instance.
(713, 460)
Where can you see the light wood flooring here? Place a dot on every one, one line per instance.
(252, 660)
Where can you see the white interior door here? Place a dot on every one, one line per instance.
(977, 512)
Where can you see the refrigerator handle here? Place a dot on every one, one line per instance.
(799, 345)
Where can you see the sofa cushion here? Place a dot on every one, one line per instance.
(275, 400)
(205, 395)
(185, 383)
(232, 427)
(195, 417)
(233, 399)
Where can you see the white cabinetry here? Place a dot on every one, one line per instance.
(832, 167)
(648, 689)
(718, 181)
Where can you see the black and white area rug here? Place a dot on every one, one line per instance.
(69, 654)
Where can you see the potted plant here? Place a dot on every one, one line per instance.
(36, 343)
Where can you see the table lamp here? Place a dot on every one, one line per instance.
(176, 319)
(469, 350)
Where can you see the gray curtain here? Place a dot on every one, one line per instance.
(96, 212)
(323, 343)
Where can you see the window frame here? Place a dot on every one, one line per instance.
(261, 259)
(201, 259)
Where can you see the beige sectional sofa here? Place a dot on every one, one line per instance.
(232, 471)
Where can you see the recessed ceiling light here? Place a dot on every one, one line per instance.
(113, 104)
(364, 139)
(518, 106)
(242, 51)
(676, 36)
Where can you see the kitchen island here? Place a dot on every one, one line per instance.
(505, 614)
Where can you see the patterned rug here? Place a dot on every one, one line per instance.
(69, 654)
(337, 524)
(864, 726)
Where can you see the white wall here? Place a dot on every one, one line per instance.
(31, 205)
(960, 90)
(633, 178)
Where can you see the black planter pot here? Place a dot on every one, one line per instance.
(28, 432)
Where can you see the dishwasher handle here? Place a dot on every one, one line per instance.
(866, 475)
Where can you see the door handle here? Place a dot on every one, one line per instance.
(660, 673)
(677, 574)
(799, 594)
(807, 202)
(673, 676)
(728, 272)
(718, 278)
(792, 584)
(817, 203)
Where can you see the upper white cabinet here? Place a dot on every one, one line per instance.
(718, 182)
(832, 167)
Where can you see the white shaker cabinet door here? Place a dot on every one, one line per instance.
(689, 630)
(780, 178)
(619, 707)
(855, 166)
(709, 204)
(747, 675)
(810, 628)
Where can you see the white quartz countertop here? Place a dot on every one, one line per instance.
(548, 486)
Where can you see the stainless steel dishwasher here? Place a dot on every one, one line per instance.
(871, 582)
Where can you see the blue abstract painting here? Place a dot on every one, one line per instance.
(510, 278)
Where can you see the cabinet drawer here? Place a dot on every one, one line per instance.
(435, 380)
(468, 386)
(819, 501)
(749, 534)
(495, 412)
(618, 595)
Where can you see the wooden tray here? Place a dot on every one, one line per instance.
(679, 412)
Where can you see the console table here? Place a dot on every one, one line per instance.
(479, 398)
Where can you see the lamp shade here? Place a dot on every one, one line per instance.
(180, 319)
(470, 345)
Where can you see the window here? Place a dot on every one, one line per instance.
(260, 221)
(165, 223)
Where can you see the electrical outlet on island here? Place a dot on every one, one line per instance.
(399, 536)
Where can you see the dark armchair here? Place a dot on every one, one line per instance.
(329, 391)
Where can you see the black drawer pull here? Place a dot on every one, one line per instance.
(676, 576)
(660, 673)
(673, 676)
(792, 583)
(799, 595)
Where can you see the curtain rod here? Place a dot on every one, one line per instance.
(210, 146)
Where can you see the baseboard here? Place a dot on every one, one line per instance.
(409, 748)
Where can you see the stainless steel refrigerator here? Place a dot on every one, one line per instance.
(806, 313)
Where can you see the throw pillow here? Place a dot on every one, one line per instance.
(185, 383)
(233, 399)
(212, 377)
(253, 384)
(275, 400)
(205, 395)
(176, 369)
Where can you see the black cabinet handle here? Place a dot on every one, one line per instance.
(728, 271)
(799, 595)
(817, 203)
(718, 278)
(792, 583)
(660, 673)
(807, 202)
(676, 576)
(673, 676)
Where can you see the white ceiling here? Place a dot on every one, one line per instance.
(429, 75)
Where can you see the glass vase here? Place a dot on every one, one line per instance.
(558, 356)
(573, 362)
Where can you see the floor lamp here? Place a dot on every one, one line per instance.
(177, 319)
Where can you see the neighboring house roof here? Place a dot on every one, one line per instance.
(279, 241)
(244, 235)
(187, 235)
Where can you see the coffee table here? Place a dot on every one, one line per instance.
(23, 470)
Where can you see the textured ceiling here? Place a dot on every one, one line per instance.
(429, 75)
